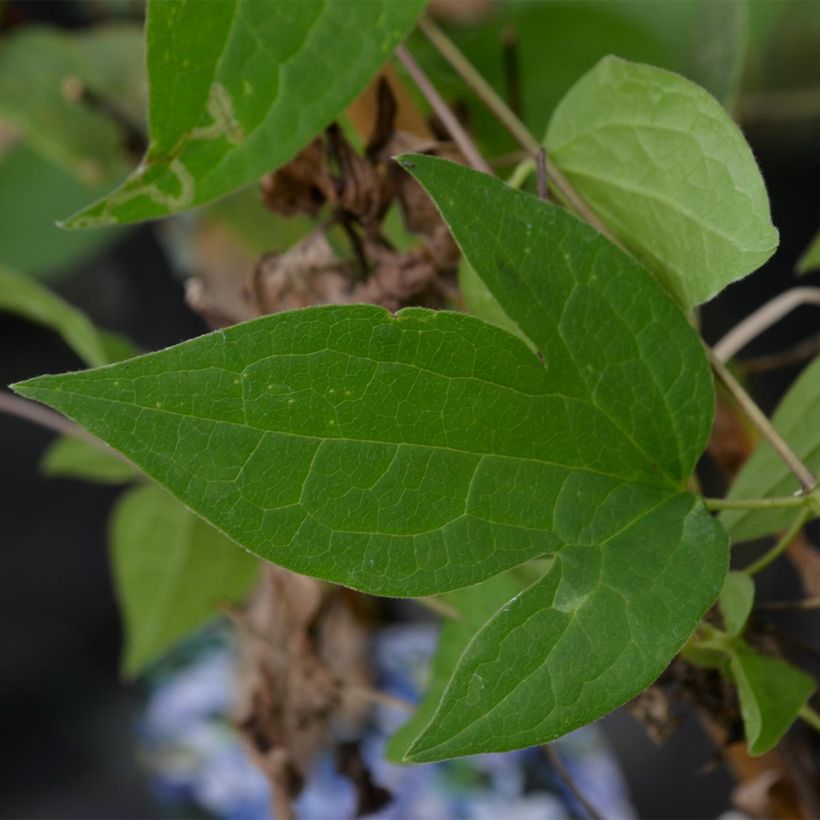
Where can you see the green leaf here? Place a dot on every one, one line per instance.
(607, 332)
(609, 335)
(736, 601)
(362, 448)
(428, 451)
(27, 298)
(764, 475)
(810, 260)
(664, 166)
(600, 627)
(34, 193)
(37, 67)
(772, 693)
(480, 302)
(72, 458)
(237, 88)
(474, 605)
(720, 33)
(172, 571)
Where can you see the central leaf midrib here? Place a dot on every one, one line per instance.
(481, 453)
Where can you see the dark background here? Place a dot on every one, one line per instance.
(67, 720)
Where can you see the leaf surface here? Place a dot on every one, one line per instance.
(43, 72)
(34, 194)
(600, 627)
(772, 693)
(764, 475)
(810, 260)
(664, 166)
(474, 605)
(28, 298)
(71, 458)
(591, 634)
(425, 452)
(237, 88)
(172, 570)
(736, 601)
(403, 455)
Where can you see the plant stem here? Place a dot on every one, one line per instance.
(569, 782)
(811, 717)
(36, 414)
(755, 503)
(782, 545)
(439, 606)
(758, 418)
(783, 606)
(505, 115)
(763, 318)
(474, 79)
(442, 110)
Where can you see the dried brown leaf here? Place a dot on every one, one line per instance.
(304, 661)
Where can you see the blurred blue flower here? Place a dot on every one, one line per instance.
(196, 761)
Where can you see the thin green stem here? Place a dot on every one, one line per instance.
(811, 717)
(758, 418)
(756, 503)
(782, 544)
(507, 117)
(37, 414)
(520, 173)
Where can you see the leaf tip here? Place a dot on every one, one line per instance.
(407, 161)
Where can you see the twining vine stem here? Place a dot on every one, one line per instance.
(718, 504)
(782, 544)
(811, 717)
(763, 318)
(758, 418)
(564, 773)
(473, 78)
(507, 117)
(448, 119)
(37, 414)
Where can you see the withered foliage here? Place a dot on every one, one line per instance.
(304, 669)
(358, 190)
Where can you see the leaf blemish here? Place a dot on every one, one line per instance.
(224, 122)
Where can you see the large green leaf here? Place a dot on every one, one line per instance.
(27, 298)
(609, 335)
(643, 560)
(668, 171)
(772, 693)
(237, 88)
(172, 571)
(401, 455)
(765, 475)
(37, 68)
(424, 452)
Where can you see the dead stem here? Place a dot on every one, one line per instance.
(442, 110)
